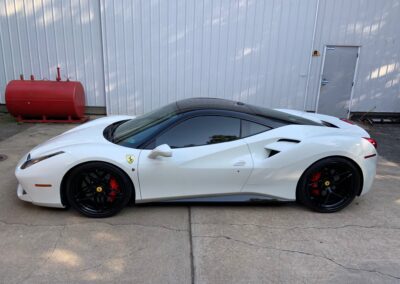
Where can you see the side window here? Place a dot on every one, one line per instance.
(251, 128)
(202, 130)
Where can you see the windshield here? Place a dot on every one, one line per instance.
(127, 130)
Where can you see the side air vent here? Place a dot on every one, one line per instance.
(288, 140)
(328, 124)
(273, 152)
(281, 145)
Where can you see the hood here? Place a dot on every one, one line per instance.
(90, 132)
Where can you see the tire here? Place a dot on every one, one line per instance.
(98, 190)
(329, 185)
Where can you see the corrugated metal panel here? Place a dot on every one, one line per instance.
(374, 26)
(157, 51)
(36, 36)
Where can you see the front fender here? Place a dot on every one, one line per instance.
(49, 173)
(122, 157)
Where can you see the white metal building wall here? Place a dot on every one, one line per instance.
(36, 36)
(374, 26)
(135, 55)
(250, 50)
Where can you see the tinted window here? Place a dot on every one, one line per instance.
(133, 132)
(202, 130)
(138, 138)
(251, 128)
(280, 118)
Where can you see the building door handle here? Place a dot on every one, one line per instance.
(239, 164)
(324, 82)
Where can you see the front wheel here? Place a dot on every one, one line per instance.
(98, 189)
(329, 185)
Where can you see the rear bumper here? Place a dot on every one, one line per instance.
(368, 168)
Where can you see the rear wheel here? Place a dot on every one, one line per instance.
(98, 189)
(329, 185)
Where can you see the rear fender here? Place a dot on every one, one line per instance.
(278, 175)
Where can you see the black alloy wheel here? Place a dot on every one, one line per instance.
(329, 185)
(98, 189)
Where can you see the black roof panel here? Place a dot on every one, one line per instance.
(222, 104)
(211, 103)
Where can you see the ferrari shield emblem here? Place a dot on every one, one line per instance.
(130, 158)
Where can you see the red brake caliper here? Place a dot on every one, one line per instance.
(314, 183)
(114, 186)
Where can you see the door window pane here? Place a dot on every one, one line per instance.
(202, 130)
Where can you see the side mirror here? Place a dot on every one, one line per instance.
(163, 150)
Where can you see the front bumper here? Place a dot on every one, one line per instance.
(22, 194)
(49, 172)
(25, 196)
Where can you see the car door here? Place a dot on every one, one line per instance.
(208, 158)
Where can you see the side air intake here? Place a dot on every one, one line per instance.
(280, 145)
(272, 153)
(288, 140)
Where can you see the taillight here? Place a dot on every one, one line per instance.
(372, 141)
(346, 120)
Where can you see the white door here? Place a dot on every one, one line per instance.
(204, 160)
(337, 80)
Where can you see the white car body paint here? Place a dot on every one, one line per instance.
(204, 170)
(241, 166)
(278, 175)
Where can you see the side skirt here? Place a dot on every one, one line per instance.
(229, 198)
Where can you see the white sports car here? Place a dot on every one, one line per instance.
(201, 149)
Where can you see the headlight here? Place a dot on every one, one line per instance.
(29, 162)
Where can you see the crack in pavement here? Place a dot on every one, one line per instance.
(192, 267)
(107, 259)
(93, 223)
(47, 258)
(136, 224)
(298, 252)
(126, 255)
(289, 228)
(28, 225)
(63, 227)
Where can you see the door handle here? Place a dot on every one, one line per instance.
(324, 82)
(239, 164)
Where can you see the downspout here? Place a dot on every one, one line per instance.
(312, 48)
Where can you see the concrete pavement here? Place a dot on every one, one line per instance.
(201, 244)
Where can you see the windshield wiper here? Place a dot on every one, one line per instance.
(111, 130)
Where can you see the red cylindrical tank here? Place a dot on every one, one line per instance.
(45, 100)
